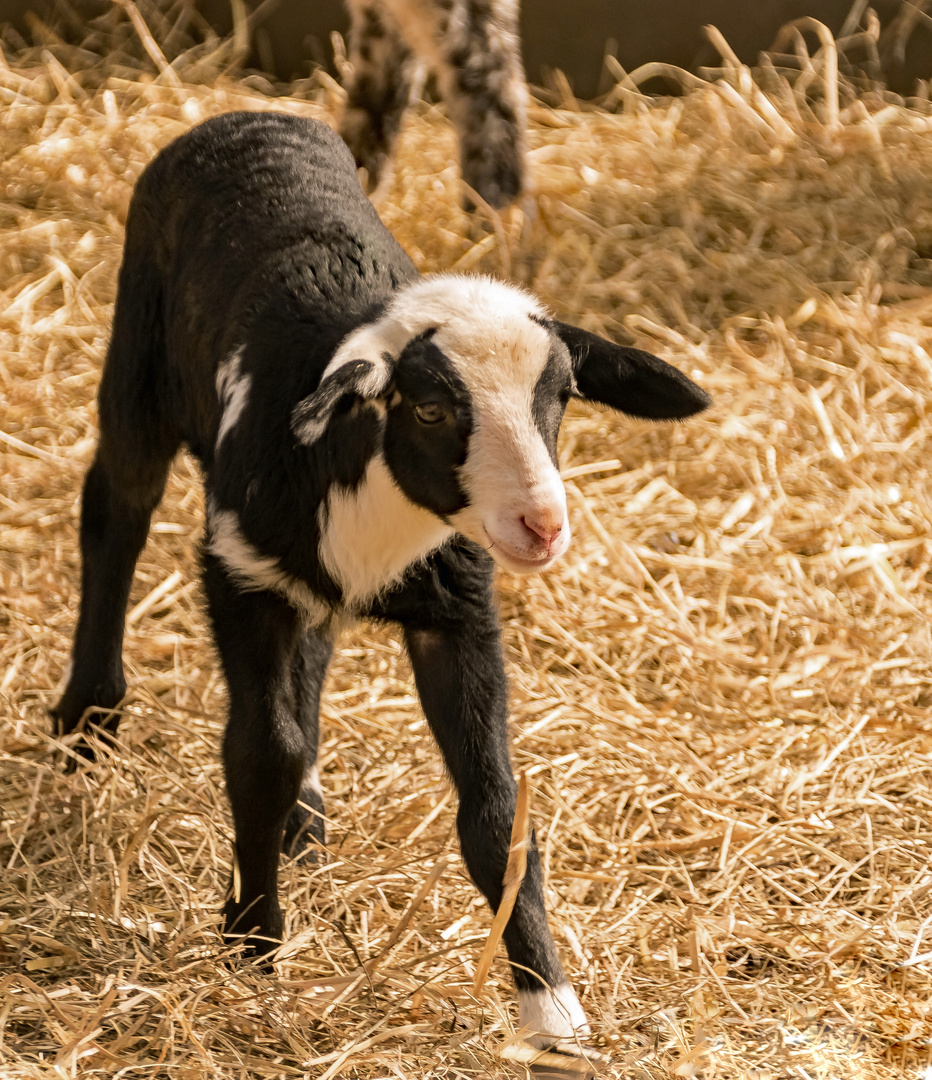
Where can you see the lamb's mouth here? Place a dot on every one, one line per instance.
(512, 560)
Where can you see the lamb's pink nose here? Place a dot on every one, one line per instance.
(544, 526)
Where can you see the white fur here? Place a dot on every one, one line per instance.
(478, 311)
(312, 779)
(373, 342)
(508, 472)
(309, 431)
(552, 1015)
(233, 390)
(485, 328)
(371, 534)
(256, 571)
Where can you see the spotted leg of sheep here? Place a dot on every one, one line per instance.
(474, 49)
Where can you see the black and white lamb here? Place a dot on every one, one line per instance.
(372, 443)
(475, 51)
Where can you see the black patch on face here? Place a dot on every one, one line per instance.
(351, 440)
(425, 458)
(553, 390)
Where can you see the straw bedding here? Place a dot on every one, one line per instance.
(720, 698)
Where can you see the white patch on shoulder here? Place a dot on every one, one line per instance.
(370, 535)
(233, 390)
(552, 1015)
(252, 570)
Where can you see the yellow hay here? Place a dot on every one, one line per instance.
(720, 697)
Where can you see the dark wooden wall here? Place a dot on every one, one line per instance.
(566, 34)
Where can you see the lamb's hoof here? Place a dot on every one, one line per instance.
(304, 839)
(555, 1030)
(567, 1057)
(241, 951)
(83, 708)
(242, 929)
(305, 851)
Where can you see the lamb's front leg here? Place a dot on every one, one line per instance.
(461, 682)
(264, 748)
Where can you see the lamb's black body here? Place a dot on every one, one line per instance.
(251, 233)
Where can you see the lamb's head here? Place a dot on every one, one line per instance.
(474, 377)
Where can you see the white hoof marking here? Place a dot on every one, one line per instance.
(552, 1015)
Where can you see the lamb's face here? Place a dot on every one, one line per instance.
(473, 378)
(471, 429)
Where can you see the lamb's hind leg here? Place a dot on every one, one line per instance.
(304, 829)
(114, 525)
(138, 440)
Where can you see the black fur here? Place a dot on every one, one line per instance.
(428, 476)
(250, 237)
(553, 391)
(630, 380)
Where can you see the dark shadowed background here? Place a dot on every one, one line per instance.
(567, 34)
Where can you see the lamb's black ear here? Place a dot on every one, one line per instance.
(354, 378)
(632, 381)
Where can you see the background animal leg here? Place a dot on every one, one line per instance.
(385, 78)
(482, 80)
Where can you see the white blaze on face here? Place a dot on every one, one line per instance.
(517, 501)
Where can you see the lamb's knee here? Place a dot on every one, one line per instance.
(264, 765)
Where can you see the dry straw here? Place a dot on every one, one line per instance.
(720, 698)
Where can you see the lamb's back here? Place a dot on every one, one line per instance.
(255, 210)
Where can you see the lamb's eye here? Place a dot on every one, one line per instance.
(429, 412)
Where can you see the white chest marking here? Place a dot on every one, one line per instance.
(371, 535)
